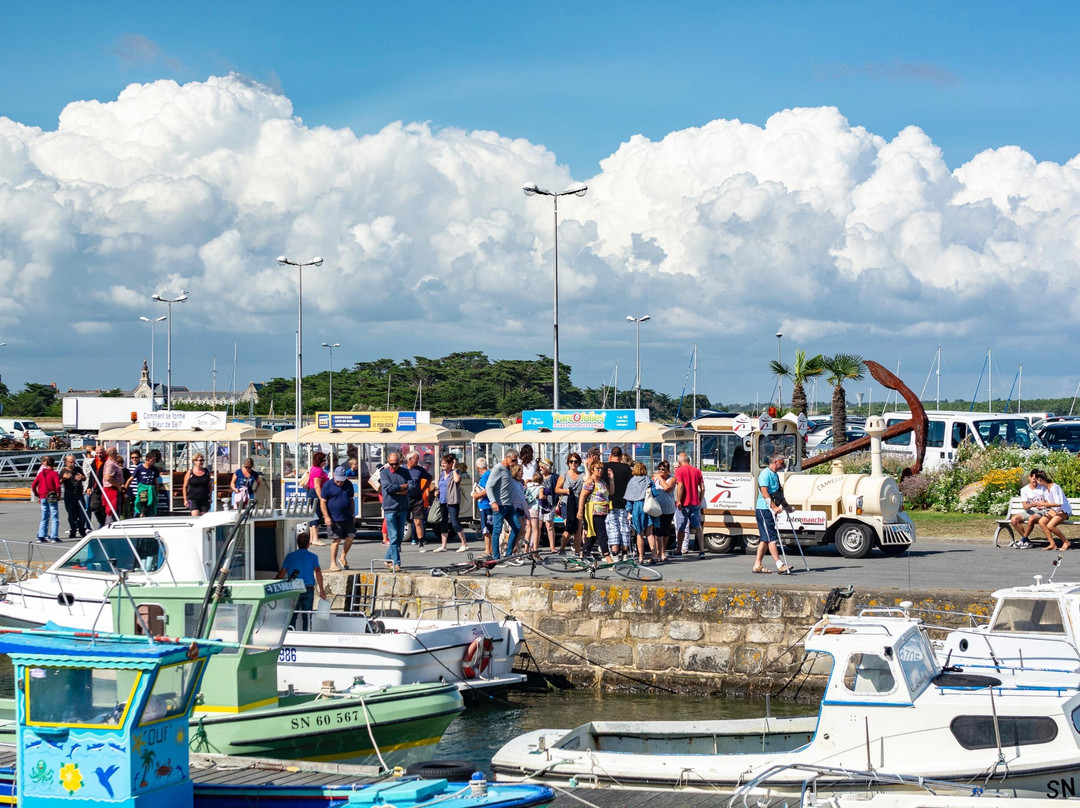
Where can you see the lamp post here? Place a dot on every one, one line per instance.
(153, 351)
(779, 379)
(532, 189)
(331, 347)
(637, 321)
(314, 262)
(180, 298)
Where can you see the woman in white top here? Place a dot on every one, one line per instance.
(1059, 511)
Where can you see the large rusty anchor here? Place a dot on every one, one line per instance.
(917, 423)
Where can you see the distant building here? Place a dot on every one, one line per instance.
(180, 394)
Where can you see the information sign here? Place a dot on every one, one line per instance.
(182, 419)
(366, 421)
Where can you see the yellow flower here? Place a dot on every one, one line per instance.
(71, 777)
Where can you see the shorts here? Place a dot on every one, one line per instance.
(418, 510)
(766, 523)
(691, 516)
(341, 530)
(534, 512)
(486, 524)
(618, 528)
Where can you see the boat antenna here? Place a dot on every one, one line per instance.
(1056, 563)
(215, 589)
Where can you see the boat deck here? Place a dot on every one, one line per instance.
(231, 771)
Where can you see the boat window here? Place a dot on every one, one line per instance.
(784, 444)
(171, 693)
(724, 452)
(1025, 615)
(869, 674)
(238, 567)
(271, 622)
(977, 731)
(79, 697)
(1076, 718)
(230, 622)
(123, 552)
(916, 661)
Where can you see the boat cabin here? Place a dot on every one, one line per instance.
(103, 720)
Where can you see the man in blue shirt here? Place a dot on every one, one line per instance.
(303, 564)
(394, 485)
(483, 505)
(766, 508)
(339, 513)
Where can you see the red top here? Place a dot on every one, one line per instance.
(690, 478)
(47, 482)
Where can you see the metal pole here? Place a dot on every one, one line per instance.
(555, 309)
(299, 357)
(779, 379)
(168, 361)
(331, 378)
(637, 363)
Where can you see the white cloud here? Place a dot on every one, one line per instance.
(848, 240)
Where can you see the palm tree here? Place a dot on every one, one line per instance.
(803, 370)
(839, 369)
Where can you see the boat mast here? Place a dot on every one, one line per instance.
(938, 377)
(989, 381)
(615, 398)
(1020, 393)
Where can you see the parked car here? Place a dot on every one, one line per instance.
(813, 440)
(827, 444)
(474, 425)
(1061, 435)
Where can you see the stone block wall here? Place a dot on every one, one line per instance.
(738, 640)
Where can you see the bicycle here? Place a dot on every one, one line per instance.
(629, 568)
(484, 563)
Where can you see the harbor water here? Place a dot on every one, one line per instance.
(482, 729)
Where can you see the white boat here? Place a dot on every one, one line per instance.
(445, 643)
(1032, 629)
(887, 706)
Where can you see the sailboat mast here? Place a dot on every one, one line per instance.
(1020, 393)
(989, 381)
(938, 407)
(615, 397)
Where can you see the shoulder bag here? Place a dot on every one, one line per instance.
(652, 504)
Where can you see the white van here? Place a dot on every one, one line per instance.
(18, 427)
(948, 430)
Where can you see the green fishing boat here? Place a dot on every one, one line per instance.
(239, 710)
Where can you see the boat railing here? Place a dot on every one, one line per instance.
(908, 610)
(457, 606)
(869, 777)
(29, 549)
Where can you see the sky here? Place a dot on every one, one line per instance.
(869, 178)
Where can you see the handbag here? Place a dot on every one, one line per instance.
(52, 498)
(242, 495)
(435, 513)
(652, 504)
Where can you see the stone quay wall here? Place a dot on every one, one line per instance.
(735, 640)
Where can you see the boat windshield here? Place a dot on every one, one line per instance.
(172, 691)
(78, 697)
(230, 623)
(102, 553)
(917, 662)
(271, 622)
(1027, 615)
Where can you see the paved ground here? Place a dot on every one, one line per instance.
(931, 564)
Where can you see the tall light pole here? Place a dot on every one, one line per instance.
(532, 189)
(180, 298)
(779, 379)
(153, 351)
(637, 321)
(314, 262)
(331, 347)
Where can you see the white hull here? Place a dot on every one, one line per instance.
(342, 646)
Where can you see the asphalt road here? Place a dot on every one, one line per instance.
(931, 563)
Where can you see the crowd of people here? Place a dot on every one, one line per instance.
(603, 505)
(105, 488)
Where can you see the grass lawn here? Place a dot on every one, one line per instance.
(934, 524)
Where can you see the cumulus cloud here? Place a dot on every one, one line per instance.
(847, 239)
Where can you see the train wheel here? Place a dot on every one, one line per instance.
(854, 539)
(718, 542)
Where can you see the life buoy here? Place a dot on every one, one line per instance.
(477, 657)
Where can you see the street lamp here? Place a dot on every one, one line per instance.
(637, 321)
(331, 347)
(314, 262)
(153, 352)
(532, 189)
(180, 298)
(779, 379)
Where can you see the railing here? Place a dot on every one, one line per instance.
(21, 466)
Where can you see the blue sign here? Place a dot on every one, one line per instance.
(560, 420)
(366, 421)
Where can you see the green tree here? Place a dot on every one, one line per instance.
(839, 369)
(798, 374)
(34, 401)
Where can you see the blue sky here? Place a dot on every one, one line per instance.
(580, 78)
(562, 85)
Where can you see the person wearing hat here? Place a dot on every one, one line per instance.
(336, 500)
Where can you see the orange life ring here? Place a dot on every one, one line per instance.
(477, 657)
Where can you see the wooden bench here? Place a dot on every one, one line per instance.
(1016, 505)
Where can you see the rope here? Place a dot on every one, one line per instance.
(371, 735)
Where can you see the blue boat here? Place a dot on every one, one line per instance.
(103, 719)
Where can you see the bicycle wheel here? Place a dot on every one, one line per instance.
(561, 563)
(636, 572)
